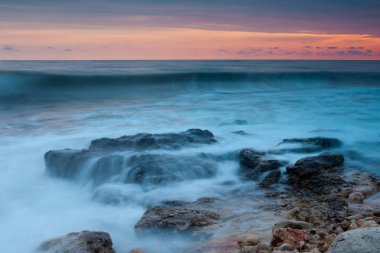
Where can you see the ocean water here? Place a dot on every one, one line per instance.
(66, 104)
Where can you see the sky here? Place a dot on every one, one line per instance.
(189, 29)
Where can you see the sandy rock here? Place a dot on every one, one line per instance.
(249, 240)
(363, 240)
(292, 224)
(81, 242)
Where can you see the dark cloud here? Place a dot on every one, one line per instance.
(249, 51)
(332, 47)
(9, 48)
(68, 50)
(340, 16)
(353, 48)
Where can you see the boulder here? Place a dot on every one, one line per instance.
(171, 219)
(363, 240)
(309, 145)
(309, 169)
(79, 242)
(253, 163)
(297, 238)
(146, 141)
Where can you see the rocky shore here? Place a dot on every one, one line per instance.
(317, 204)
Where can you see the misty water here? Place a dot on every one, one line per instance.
(56, 105)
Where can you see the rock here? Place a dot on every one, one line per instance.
(81, 242)
(142, 169)
(301, 225)
(357, 197)
(363, 240)
(309, 145)
(369, 223)
(286, 247)
(162, 169)
(225, 245)
(315, 169)
(253, 164)
(272, 178)
(171, 219)
(145, 141)
(294, 237)
(249, 240)
(66, 163)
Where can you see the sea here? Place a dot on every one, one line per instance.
(54, 105)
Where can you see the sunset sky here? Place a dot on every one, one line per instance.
(189, 29)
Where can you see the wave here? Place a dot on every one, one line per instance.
(18, 83)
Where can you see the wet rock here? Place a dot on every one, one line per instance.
(309, 145)
(79, 242)
(160, 169)
(145, 141)
(253, 163)
(272, 178)
(294, 237)
(357, 197)
(249, 240)
(143, 169)
(66, 163)
(300, 225)
(171, 219)
(315, 169)
(364, 240)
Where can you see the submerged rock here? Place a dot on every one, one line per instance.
(171, 219)
(79, 242)
(309, 145)
(253, 163)
(363, 240)
(146, 141)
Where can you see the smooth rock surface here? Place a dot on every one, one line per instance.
(362, 240)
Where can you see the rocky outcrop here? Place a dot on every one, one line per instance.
(171, 219)
(253, 163)
(145, 141)
(79, 242)
(309, 145)
(363, 240)
(316, 170)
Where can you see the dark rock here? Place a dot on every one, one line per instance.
(253, 163)
(306, 168)
(142, 169)
(66, 163)
(309, 145)
(240, 132)
(162, 169)
(79, 242)
(171, 219)
(272, 178)
(145, 141)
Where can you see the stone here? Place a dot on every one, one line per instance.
(146, 141)
(301, 225)
(286, 247)
(172, 219)
(363, 240)
(357, 197)
(79, 242)
(272, 178)
(295, 237)
(248, 249)
(253, 163)
(249, 240)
